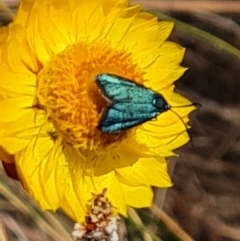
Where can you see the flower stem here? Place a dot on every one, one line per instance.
(135, 219)
(170, 224)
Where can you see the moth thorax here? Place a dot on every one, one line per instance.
(160, 103)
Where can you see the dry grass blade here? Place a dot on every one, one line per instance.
(191, 6)
(5, 12)
(3, 234)
(29, 222)
(13, 199)
(134, 216)
(55, 224)
(229, 232)
(11, 3)
(51, 232)
(14, 227)
(170, 223)
(205, 197)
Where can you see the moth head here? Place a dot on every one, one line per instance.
(160, 103)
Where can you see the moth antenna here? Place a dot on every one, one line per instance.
(193, 104)
(196, 104)
(166, 135)
(186, 127)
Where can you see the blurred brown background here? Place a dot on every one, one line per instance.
(205, 200)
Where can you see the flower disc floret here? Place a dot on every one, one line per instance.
(68, 92)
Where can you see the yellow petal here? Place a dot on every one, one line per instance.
(22, 60)
(138, 197)
(146, 171)
(165, 70)
(178, 141)
(24, 8)
(178, 100)
(13, 109)
(36, 45)
(158, 143)
(84, 185)
(4, 31)
(126, 153)
(144, 38)
(110, 4)
(39, 167)
(162, 126)
(52, 39)
(90, 18)
(137, 40)
(66, 29)
(16, 83)
(71, 205)
(119, 28)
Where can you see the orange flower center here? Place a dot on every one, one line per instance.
(71, 98)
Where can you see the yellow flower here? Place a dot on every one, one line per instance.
(50, 105)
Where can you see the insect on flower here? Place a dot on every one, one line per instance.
(130, 103)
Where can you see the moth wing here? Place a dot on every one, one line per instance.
(131, 103)
(114, 87)
(121, 116)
